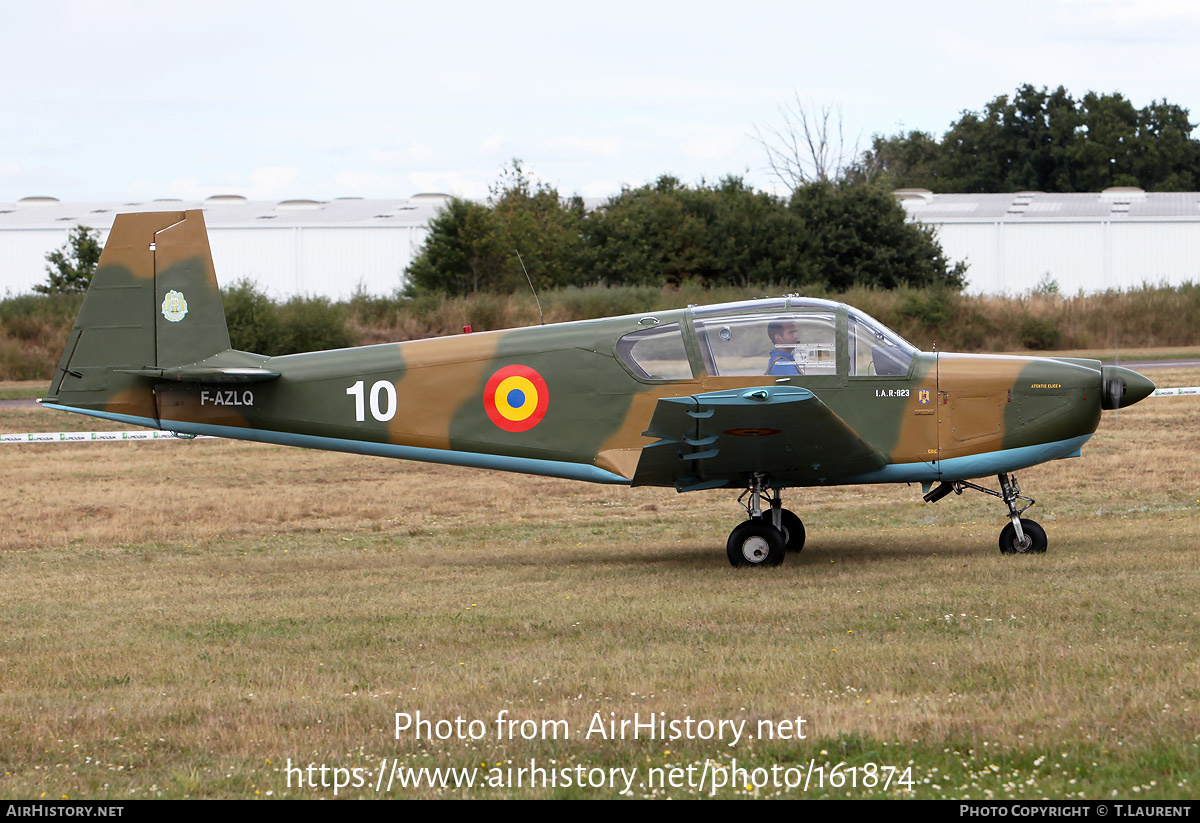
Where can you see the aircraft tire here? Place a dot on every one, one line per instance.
(793, 531)
(1033, 531)
(755, 543)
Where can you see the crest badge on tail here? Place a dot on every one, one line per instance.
(174, 306)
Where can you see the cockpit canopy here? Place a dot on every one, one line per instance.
(780, 336)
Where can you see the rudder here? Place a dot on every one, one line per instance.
(153, 303)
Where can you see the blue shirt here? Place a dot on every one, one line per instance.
(780, 362)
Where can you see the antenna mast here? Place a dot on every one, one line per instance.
(541, 316)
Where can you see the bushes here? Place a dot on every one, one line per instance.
(671, 234)
(1040, 333)
(33, 329)
(258, 324)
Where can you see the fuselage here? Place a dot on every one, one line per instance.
(577, 399)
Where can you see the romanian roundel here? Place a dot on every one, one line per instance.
(516, 398)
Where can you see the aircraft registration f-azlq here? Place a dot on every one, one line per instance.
(760, 395)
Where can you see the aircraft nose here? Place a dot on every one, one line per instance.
(1123, 387)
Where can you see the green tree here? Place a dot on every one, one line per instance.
(858, 236)
(545, 228)
(1168, 159)
(668, 233)
(461, 253)
(1044, 140)
(753, 237)
(646, 236)
(71, 267)
(1106, 154)
(904, 161)
(473, 247)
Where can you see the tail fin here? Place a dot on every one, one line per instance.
(153, 305)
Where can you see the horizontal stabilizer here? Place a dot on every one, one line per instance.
(202, 374)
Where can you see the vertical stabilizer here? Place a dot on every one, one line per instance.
(152, 304)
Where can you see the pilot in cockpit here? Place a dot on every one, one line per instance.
(784, 339)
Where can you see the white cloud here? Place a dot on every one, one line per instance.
(493, 142)
(589, 146)
(271, 181)
(187, 188)
(266, 183)
(356, 183)
(603, 188)
(709, 147)
(413, 153)
(1125, 12)
(460, 184)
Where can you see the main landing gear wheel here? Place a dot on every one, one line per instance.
(756, 543)
(793, 530)
(1034, 543)
(769, 533)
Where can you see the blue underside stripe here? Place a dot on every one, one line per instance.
(524, 465)
(955, 468)
(975, 465)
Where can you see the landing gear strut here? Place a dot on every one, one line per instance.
(768, 535)
(1020, 536)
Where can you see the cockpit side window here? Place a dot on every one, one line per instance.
(656, 353)
(876, 350)
(784, 343)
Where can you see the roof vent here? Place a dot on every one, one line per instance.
(1120, 197)
(1123, 194)
(37, 201)
(915, 196)
(298, 205)
(1020, 202)
(225, 199)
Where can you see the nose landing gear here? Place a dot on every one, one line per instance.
(1020, 536)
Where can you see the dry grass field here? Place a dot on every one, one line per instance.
(183, 619)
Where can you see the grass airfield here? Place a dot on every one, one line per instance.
(181, 619)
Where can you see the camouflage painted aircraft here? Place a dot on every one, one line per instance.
(760, 395)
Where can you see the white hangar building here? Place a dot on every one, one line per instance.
(291, 247)
(1120, 238)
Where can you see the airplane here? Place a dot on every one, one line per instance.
(760, 395)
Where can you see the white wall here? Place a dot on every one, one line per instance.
(1009, 257)
(283, 261)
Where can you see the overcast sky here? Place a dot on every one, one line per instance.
(131, 100)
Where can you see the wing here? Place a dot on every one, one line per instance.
(708, 441)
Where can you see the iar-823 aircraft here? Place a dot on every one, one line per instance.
(757, 396)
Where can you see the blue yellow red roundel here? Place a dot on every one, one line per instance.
(516, 398)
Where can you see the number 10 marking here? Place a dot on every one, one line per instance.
(383, 387)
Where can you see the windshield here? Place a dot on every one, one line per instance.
(877, 350)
